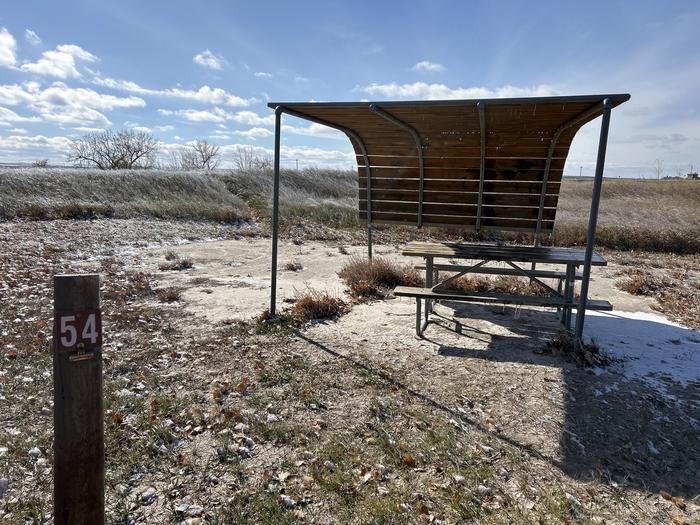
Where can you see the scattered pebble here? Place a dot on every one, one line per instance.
(459, 480)
(483, 490)
(288, 502)
(573, 500)
(148, 496)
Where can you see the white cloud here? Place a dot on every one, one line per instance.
(137, 127)
(208, 95)
(428, 67)
(205, 94)
(314, 130)
(220, 115)
(263, 74)
(331, 158)
(88, 129)
(13, 94)
(61, 62)
(8, 48)
(21, 131)
(425, 91)
(253, 119)
(66, 105)
(209, 60)
(196, 115)
(7, 115)
(36, 142)
(253, 133)
(31, 37)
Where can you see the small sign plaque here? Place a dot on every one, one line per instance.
(78, 331)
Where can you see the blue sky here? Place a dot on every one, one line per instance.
(207, 69)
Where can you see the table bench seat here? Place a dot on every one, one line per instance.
(489, 297)
(540, 274)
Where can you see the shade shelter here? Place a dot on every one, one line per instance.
(465, 164)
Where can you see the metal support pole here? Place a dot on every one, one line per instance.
(354, 136)
(419, 148)
(369, 242)
(275, 211)
(482, 162)
(548, 164)
(593, 218)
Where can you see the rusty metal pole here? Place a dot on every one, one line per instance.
(79, 467)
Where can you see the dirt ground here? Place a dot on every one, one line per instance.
(213, 419)
(481, 355)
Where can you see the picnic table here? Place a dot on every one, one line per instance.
(479, 256)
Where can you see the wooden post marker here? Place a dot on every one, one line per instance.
(77, 389)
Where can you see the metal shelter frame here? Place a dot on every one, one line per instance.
(602, 105)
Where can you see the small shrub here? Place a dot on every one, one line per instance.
(564, 343)
(293, 266)
(642, 283)
(516, 286)
(318, 305)
(176, 264)
(40, 163)
(505, 284)
(469, 283)
(169, 295)
(376, 277)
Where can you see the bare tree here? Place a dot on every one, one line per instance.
(200, 156)
(245, 159)
(658, 168)
(111, 150)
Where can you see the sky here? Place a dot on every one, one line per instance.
(206, 70)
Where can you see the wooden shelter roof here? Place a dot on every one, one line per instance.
(487, 163)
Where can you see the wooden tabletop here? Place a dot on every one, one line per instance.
(542, 254)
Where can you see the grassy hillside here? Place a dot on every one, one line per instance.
(50, 194)
(634, 214)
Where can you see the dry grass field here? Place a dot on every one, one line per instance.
(337, 414)
(660, 216)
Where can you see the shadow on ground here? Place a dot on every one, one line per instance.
(641, 432)
(638, 432)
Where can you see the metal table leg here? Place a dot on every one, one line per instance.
(428, 284)
(569, 294)
(418, 318)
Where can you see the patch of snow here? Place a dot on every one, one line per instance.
(646, 346)
(652, 448)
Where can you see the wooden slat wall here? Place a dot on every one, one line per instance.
(518, 139)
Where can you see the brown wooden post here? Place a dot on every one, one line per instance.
(78, 415)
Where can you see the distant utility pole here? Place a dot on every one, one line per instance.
(580, 170)
(297, 164)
